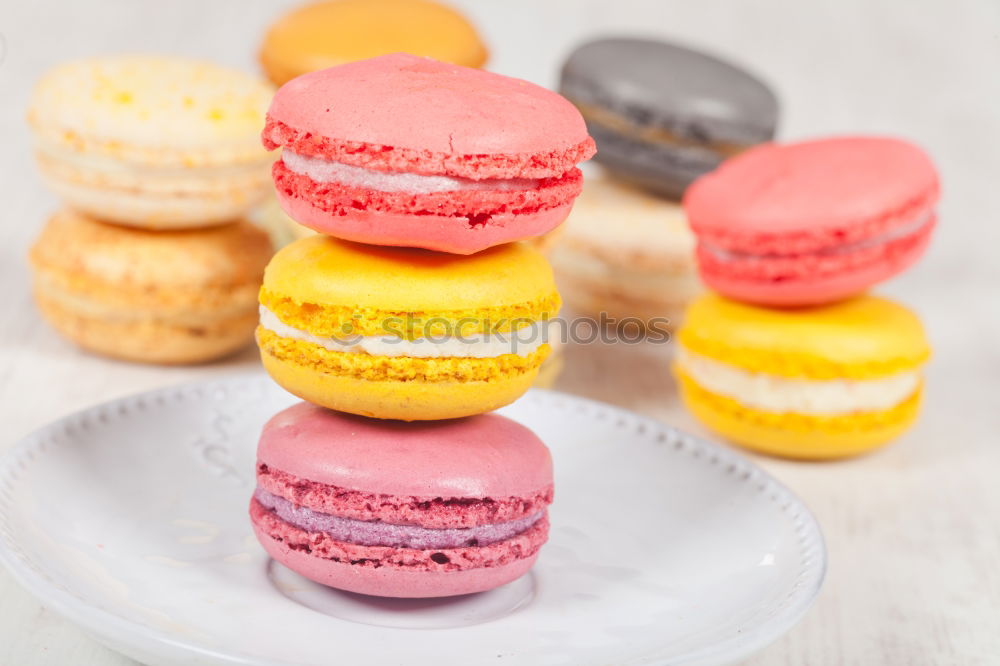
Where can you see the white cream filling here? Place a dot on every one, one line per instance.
(906, 229)
(328, 171)
(805, 396)
(522, 342)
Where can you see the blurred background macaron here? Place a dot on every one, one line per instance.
(625, 253)
(183, 296)
(663, 114)
(324, 34)
(152, 142)
(811, 383)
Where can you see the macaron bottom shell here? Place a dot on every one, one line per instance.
(663, 168)
(149, 340)
(408, 400)
(794, 435)
(154, 198)
(455, 235)
(387, 581)
(812, 287)
(594, 298)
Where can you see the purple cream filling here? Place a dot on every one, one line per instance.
(376, 533)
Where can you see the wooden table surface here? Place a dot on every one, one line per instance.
(913, 531)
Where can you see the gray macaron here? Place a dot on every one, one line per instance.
(662, 114)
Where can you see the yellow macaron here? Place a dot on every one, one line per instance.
(813, 383)
(152, 142)
(400, 333)
(324, 34)
(156, 297)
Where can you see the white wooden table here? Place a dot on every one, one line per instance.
(912, 531)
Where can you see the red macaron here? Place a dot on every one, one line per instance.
(812, 222)
(407, 151)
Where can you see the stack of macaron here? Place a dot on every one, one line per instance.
(662, 115)
(790, 356)
(157, 162)
(414, 311)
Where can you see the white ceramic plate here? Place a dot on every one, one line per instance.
(130, 519)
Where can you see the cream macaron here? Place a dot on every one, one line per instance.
(152, 142)
(625, 253)
(181, 296)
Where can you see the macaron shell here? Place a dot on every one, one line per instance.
(149, 340)
(405, 101)
(391, 582)
(454, 235)
(481, 456)
(859, 338)
(324, 34)
(326, 271)
(143, 263)
(407, 401)
(811, 286)
(674, 87)
(154, 110)
(793, 198)
(798, 436)
(663, 115)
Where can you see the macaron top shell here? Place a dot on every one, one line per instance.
(693, 94)
(476, 457)
(324, 34)
(402, 102)
(860, 338)
(326, 271)
(798, 197)
(153, 110)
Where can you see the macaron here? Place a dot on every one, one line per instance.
(324, 34)
(397, 509)
(152, 142)
(156, 297)
(663, 114)
(813, 383)
(626, 255)
(400, 333)
(407, 151)
(813, 221)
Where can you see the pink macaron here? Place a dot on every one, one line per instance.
(812, 222)
(394, 509)
(407, 151)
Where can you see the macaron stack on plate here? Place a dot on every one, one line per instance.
(807, 365)
(413, 312)
(662, 115)
(157, 162)
(334, 32)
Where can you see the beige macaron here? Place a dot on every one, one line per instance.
(152, 142)
(181, 296)
(625, 253)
